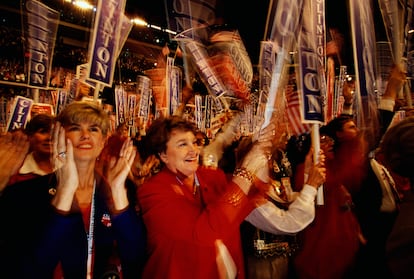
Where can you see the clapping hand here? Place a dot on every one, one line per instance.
(66, 171)
(13, 149)
(117, 171)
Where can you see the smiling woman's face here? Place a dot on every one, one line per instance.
(182, 153)
(87, 139)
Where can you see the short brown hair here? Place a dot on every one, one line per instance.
(81, 111)
(159, 132)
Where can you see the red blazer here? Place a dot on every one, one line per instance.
(182, 229)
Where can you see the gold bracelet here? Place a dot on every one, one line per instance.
(244, 173)
(234, 198)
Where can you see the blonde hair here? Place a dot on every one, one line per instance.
(85, 111)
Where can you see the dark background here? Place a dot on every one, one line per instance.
(249, 17)
(143, 47)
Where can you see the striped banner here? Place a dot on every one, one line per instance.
(200, 59)
(390, 16)
(144, 91)
(363, 42)
(284, 29)
(132, 105)
(339, 88)
(42, 24)
(120, 105)
(408, 41)
(293, 105)
(267, 59)
(105, 40)
(198, 111)
(408, 52)
(62, 100)
(126, 27)
(187, 15)
(208, 112)
(310, 63)
(297, 127)
(174, 88)
(20, 113)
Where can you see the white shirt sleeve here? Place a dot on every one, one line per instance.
(301, 212)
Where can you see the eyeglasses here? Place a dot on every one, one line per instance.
(326, 139)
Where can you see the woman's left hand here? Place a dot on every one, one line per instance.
(256, 160)
(117, 172)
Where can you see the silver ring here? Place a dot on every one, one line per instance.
(62, 154)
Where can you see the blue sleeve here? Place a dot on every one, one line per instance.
(130, 235)
(63, 238)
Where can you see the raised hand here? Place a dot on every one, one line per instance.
(256, 160)
(117, 171)
(66, 171)
(13, 149)
(316, 172)
(213, 152)
(396, 80)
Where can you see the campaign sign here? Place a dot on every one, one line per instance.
(19, 113)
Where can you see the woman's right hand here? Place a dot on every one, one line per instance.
(396, 80)
(316, 172)
(66, 171)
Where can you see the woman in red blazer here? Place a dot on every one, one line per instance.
(192, 213)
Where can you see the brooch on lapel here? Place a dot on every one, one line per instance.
(106, 220)
(52, 191)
